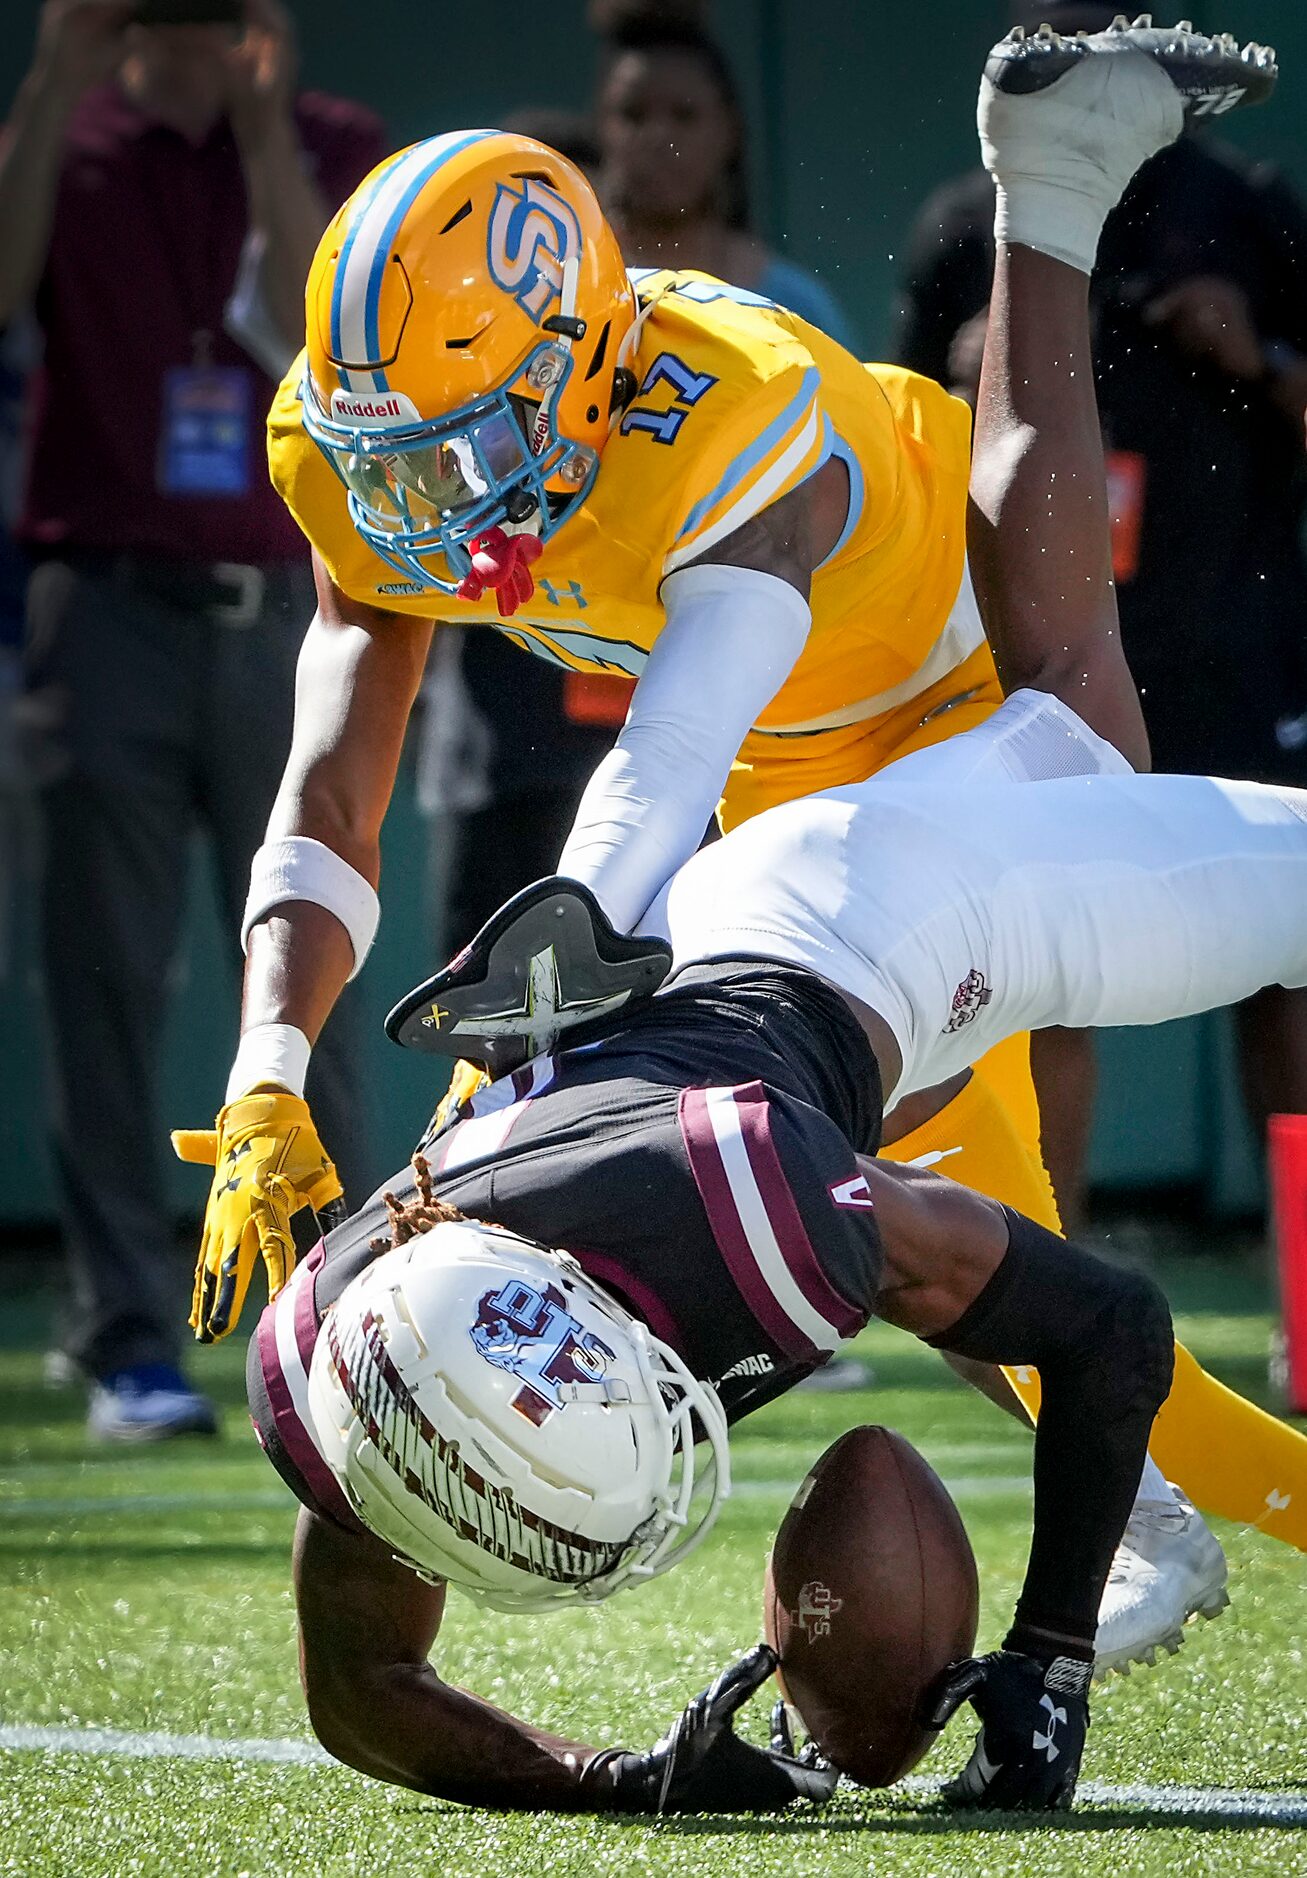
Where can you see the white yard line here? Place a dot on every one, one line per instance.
(1209, 1803)
(152, 1746)
(1232, 1803)
(77, 1505)
(965, 1487)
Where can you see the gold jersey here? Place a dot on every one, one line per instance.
(738, 402)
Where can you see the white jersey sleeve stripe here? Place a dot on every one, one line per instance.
(756, 497)
(745, 1228)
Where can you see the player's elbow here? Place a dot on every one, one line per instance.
(338, 1708)
(328, 1714)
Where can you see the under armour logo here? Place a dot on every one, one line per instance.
(1048, 1742)
(570, 595)
(1277, 1502)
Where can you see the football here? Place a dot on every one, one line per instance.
(871, 1590)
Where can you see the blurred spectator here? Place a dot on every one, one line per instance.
(507, 743)
(569, 132)
(610, 16)
(674, 175)
(1200, 323)
(162, 189)
(17, 354)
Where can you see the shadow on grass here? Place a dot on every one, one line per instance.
(928, 1821)
(940, 1820)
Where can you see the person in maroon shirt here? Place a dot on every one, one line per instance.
(162, 190)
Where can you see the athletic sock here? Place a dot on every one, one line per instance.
(1152, 1482)
(1061, 158)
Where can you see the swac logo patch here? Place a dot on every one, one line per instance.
(532, 1334)
(532, 233)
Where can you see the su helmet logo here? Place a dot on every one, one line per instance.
(533, 232)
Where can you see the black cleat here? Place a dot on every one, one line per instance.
(1210, 72)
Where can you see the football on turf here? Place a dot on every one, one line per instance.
(871, 1591)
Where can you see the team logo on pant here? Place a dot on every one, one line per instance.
(533, 1335)
(969, 1000)
(533, 231)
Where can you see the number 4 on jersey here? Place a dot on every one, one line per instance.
(687, 389)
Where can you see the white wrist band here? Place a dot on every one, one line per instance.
(299, 868)
(269, 1053)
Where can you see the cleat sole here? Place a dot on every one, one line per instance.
(1147, 1655)
(1212, 75)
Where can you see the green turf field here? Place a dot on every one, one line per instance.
(146, 1594)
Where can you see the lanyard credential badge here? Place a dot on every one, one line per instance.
(204, 437)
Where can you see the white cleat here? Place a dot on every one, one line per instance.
(1168, 1568)
(1211, 74)
(1065, 121)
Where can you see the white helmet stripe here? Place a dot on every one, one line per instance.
(354, 334)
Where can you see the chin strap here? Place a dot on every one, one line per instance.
(503, 562)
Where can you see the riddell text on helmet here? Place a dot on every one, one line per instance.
(378, 407)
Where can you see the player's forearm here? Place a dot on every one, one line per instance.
(732, 636)
(289, 212)
(1101, 1340)
(313, 901)
(405, 1726)
(300, 953)
(299, 961)
(1038, 532)
(31, 150)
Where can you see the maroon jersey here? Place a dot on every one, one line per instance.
(699, 1161)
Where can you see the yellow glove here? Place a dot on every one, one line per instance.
(268, 1163)
(466, 1080)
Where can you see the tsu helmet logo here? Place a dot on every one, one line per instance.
(533, 232)
(533, 1335)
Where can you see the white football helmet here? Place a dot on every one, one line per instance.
(504, 1424)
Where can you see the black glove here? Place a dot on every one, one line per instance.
(701, 1766)
(1034, 1714)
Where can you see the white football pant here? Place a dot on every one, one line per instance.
(964, 903)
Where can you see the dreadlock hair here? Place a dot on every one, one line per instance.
(408, 1218)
